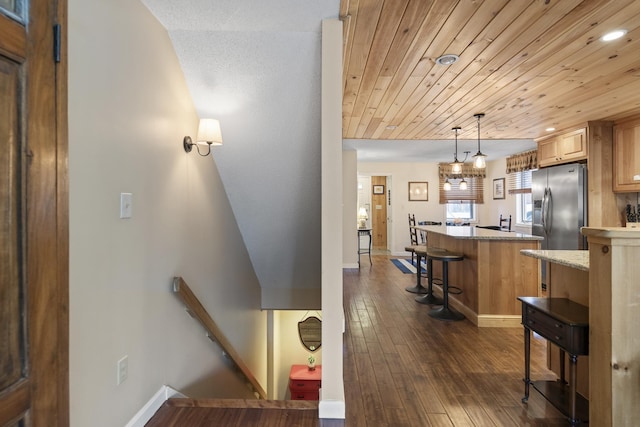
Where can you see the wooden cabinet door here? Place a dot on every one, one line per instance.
(626, 156)
(573, 146)
(547, 152)
(565, 148)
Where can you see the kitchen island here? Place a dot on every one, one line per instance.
(491, 276)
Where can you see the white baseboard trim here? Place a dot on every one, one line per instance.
(332, 409)
(151, 407)
(350, 265)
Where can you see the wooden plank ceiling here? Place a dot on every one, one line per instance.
(528, 65)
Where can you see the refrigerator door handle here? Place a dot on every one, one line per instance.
(544, 211)
(547, 210)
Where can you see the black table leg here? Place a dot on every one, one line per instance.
(527, 363)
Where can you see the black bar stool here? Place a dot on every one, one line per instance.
(444, 312)
(420, 253)
(429, 297)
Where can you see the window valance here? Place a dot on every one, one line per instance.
(522, 161)
(468, 171)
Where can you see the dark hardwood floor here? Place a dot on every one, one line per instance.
(404, 368)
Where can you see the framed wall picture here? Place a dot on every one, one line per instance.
(498, 188)
(418, 191)
(378, 189)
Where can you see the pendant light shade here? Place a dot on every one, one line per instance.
(463, 184)
(456, 165)
(447, 185)
(479, 161)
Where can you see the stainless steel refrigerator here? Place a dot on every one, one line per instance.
(559, 195)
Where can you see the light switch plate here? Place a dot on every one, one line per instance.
(126, 205)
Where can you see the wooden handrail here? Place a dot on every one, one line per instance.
(197, 310)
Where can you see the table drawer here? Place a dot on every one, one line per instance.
(546, 326)
(563, 335)
(304, 385)
(308, 395)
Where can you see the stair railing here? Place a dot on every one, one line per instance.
(213, 332)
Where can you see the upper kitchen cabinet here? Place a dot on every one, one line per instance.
(565, 148)
(626, 156)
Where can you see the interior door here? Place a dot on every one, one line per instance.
(33, 217)
(379, 211)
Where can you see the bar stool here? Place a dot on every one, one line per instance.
(420, 252)
(429, 297)
(444, 312)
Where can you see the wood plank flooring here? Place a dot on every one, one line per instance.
(404, 368)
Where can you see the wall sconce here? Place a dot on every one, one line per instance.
(208, 133)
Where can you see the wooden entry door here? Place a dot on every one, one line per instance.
(379, 211)
(33, 216)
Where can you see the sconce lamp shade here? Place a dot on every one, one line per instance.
(209, 132)
(362, 213)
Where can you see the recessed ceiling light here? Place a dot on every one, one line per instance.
(550, 129)
(391, 127)
(613, 35)
(447, 59)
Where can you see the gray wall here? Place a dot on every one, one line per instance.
(129, 108)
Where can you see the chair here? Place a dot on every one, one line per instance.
(444, 312)
(413, 234)
(505, 223)
(423, 234)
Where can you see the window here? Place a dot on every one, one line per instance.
(461, 211)
(520, 185)
(475, 185)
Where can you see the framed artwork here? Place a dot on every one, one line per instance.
(378, 189)
(498, 188)
(418, 191)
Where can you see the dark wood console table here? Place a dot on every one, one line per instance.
(566, 324)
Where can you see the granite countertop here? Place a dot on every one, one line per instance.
(578, 259)
(474, 233)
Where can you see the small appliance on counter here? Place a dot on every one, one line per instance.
(632, 216)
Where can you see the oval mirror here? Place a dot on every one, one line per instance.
(310, 331)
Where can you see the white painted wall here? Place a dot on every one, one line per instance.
(129, 109)
(432, 210)
(332, 402)
(350, 208)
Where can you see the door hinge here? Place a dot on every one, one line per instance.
(57, 40)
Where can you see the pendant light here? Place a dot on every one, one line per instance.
(456, 165)
(463, 184)
(479, 158)
(447, 185)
